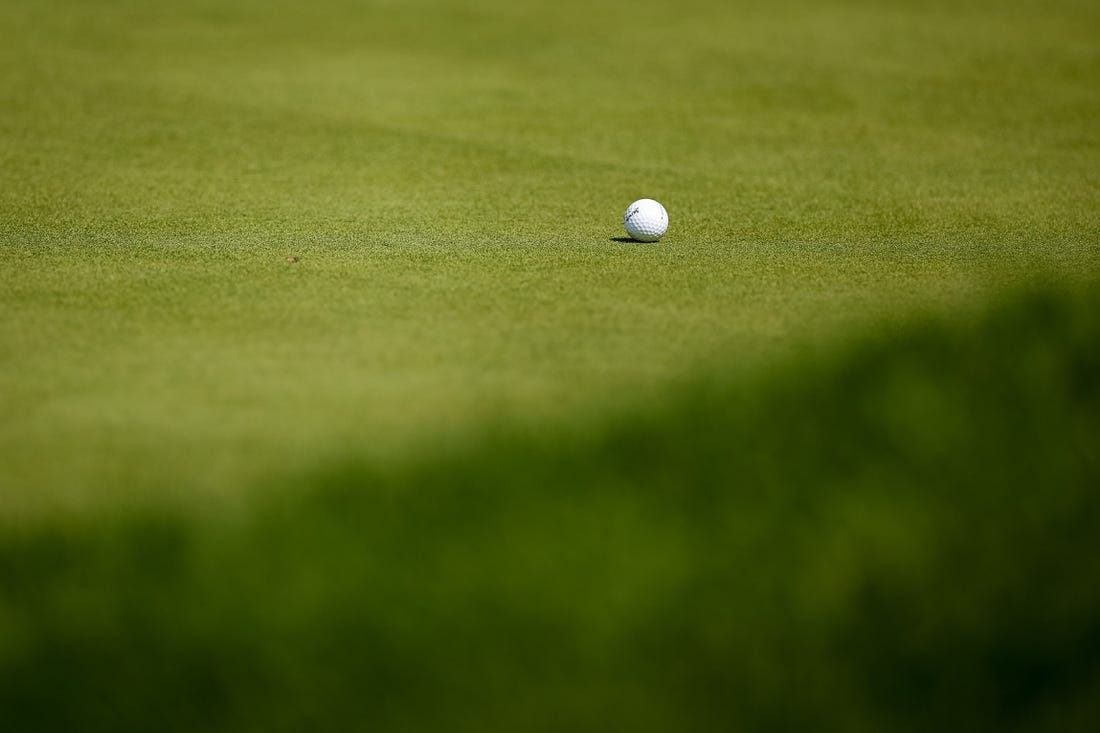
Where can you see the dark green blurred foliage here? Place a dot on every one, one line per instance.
(904, 537)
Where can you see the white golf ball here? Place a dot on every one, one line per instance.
(646, 220)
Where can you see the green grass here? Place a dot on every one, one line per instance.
(874, 542)
(464, 335)
(452, 178)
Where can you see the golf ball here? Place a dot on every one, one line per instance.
(646, 220)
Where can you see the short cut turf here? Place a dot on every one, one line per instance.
(331, 396)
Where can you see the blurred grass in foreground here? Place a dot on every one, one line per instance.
(904, 539)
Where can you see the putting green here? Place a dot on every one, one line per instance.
(333, 398)
(452, 178)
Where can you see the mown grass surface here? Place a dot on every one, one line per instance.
(822, 458)
(901, 539)
(451, 176)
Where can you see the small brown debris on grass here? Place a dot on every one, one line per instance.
(293, 258)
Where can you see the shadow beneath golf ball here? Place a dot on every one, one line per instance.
(628, 240)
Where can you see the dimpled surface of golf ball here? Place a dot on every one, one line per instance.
(646, 220)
